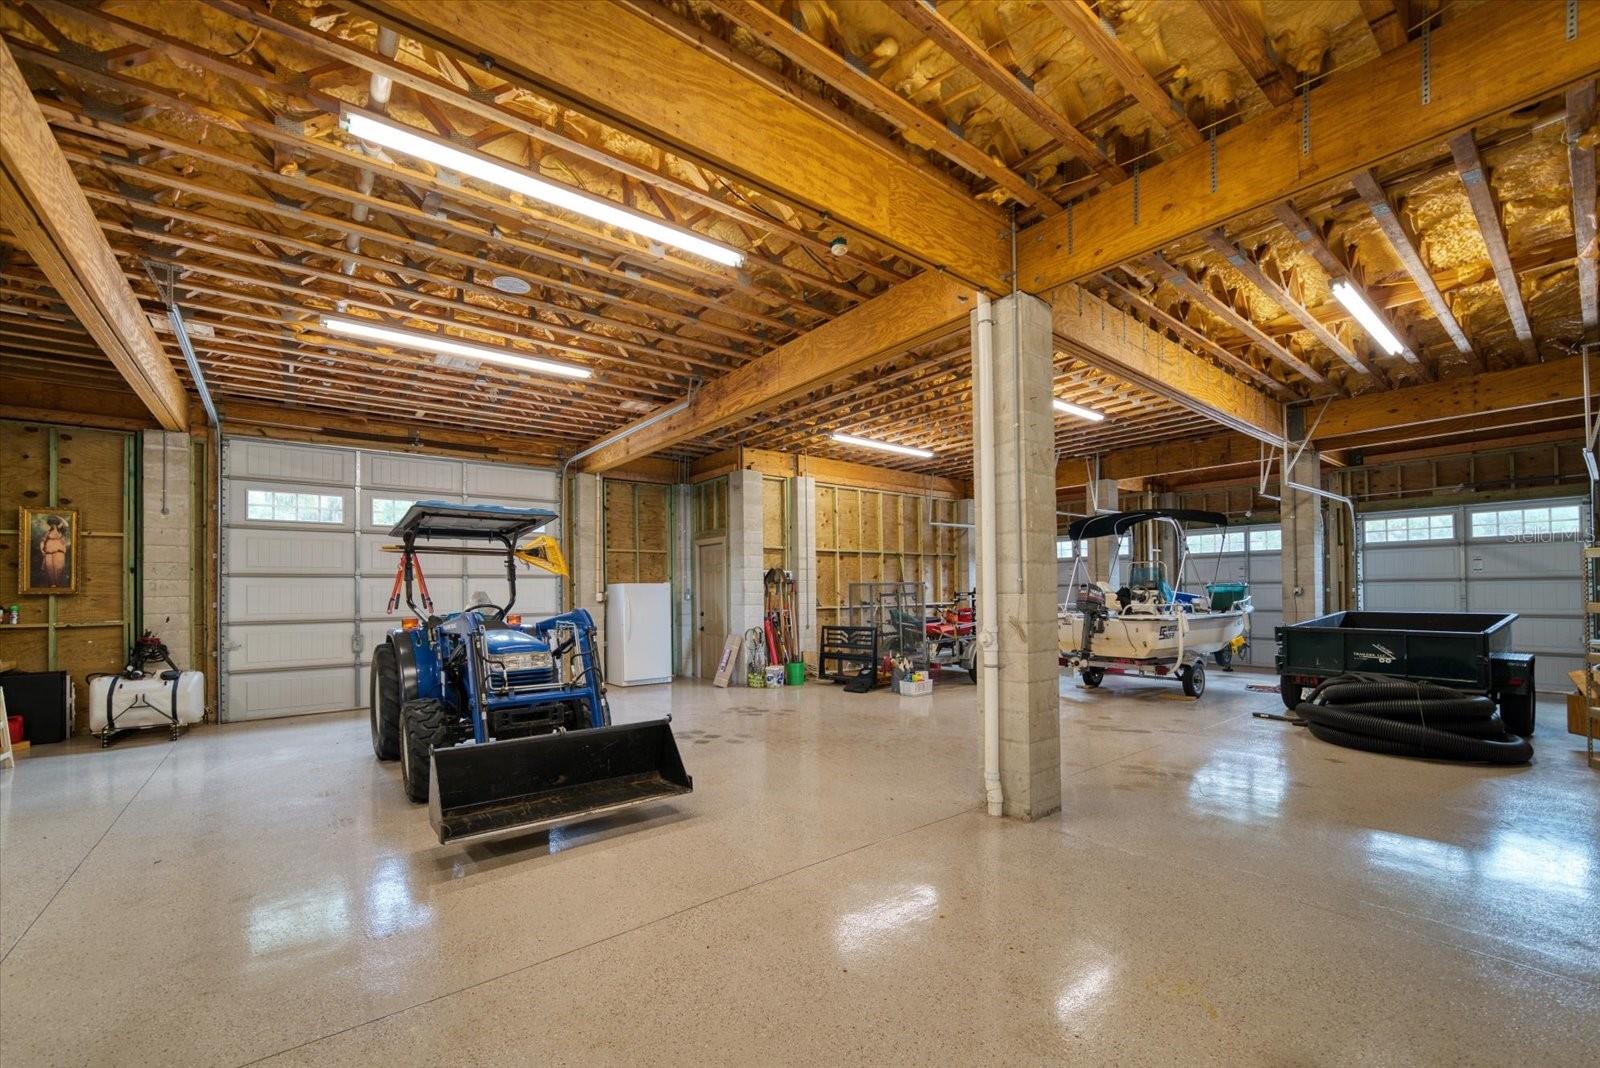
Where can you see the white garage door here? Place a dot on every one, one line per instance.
(1516, 557)
(306, 579)
(1250, 554)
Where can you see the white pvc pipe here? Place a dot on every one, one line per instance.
(988, 601)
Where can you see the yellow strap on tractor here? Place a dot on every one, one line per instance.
(543, 552)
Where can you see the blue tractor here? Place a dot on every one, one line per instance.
(499, 724)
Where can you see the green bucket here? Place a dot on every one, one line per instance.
(795, 673)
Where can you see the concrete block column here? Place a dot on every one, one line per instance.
(1303, 537)
(745, 556)
(167, 536)
(1025, 568)
(804, 489)
(588, 556)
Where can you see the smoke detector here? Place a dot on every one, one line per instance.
(507, 283)
(839, 246)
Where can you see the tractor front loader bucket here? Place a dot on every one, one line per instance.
(523, 784)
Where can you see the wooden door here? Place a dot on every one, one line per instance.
(711, 605)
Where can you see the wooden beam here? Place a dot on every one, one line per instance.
(1102, 43)
(848, 75)
(1281, 296)
(1475, 179)
(1166, 458)
(1337, 270)
(1195, 339)
(37, 400)
(51, 220)
(1180, 280)
(1404, 243)
(1464, 396)
(1360, 117)
(1100, 334)
(1387, 26)
(910, 314)
(609, 62)
(1011, 87)
(1580, 163)
(1241, 30)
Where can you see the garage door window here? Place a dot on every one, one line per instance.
(275, 507)
(1206, 544)
(1525, 522)
(1262, 541)
(386, 511)
(1409, 528)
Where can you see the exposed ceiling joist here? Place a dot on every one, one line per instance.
(1247, 266)
(1179, 279)
(52, 221)
(1240, 29)
(610, 62)
(1475, 179)
(1338, 270)
(1360, 117)
(1102, 335)
(907, 315)
(1014, 88)
(846, 74)
(1102, 43)
(1580, 164)
(1405, 246)
(1194, 338)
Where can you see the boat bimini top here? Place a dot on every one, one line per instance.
(1116, 524)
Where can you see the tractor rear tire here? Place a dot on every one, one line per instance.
(384, 703)
(422, 726)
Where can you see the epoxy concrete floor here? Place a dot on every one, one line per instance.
(1218, 889)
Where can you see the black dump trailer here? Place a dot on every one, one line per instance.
(1466, 651)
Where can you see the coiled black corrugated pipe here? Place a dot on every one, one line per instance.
(1411, 719)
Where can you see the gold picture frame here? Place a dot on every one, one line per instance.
(47, 551)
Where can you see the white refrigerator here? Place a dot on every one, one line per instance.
(638, 633)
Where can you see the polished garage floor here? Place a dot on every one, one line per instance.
(1219, 889)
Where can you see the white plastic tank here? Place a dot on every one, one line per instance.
(133, 695)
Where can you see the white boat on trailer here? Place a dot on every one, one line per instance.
(1149, 627)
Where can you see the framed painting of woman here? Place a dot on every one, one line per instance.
(49, 557)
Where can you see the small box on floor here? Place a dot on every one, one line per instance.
(774, 675)
(918, 684)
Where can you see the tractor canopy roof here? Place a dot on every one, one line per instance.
(482, 522)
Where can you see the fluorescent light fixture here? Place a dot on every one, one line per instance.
(868, 443)
(436, 343)
(1080, 412)
(411, 143)
(1356, 305)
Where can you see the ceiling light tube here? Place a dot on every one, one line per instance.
(868, 443)
(1079, 411)
(448, 346)
(376, 131)
(1356, 305)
